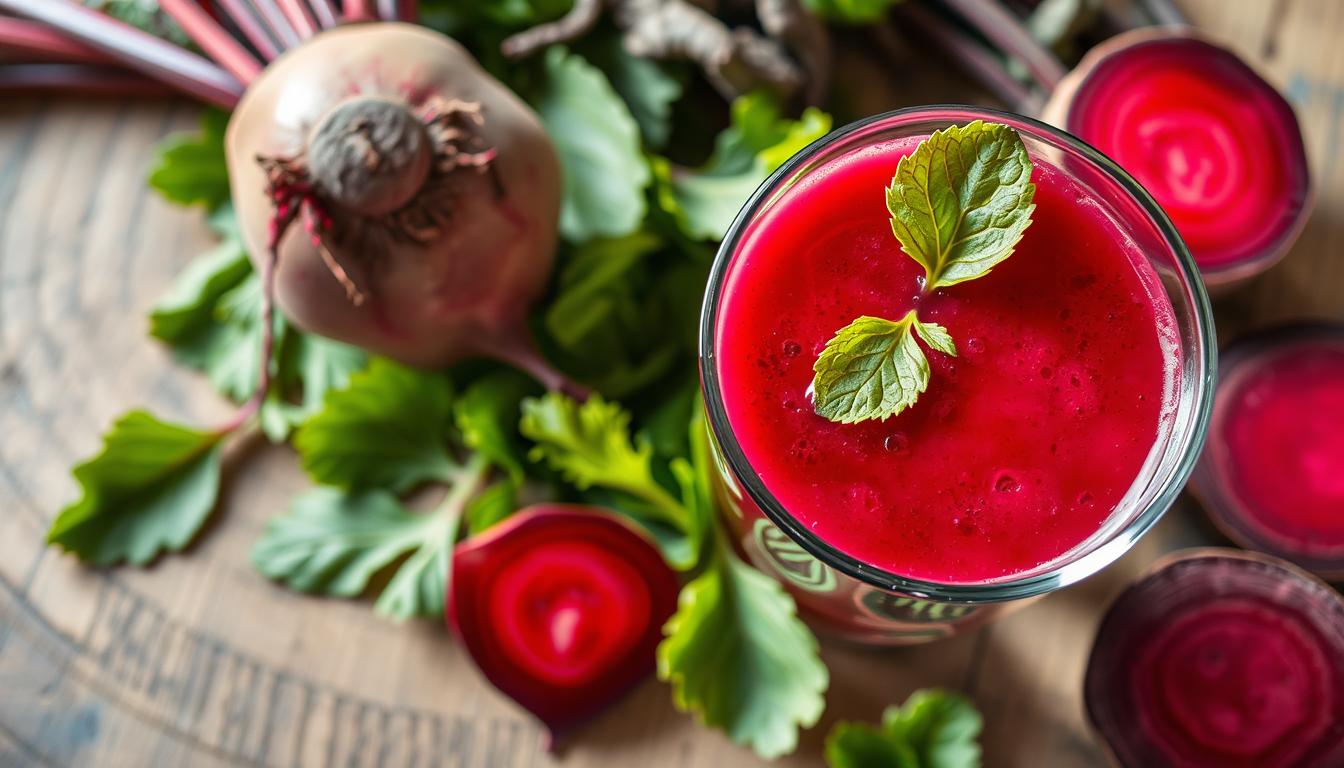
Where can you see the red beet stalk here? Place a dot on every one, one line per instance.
(251, 27)
(360, 10)
(31, 39)
(213, 39)
(324, 12)
(275, 21)
(299, 18)
(136, 49)
(81, 79)
(1001, 27)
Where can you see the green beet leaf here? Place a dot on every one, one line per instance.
(335, 543)
(738, 657)
(962, 200)
(149, 490)
(760, 139)
(605, 173)
(648, 90)
(932, 729)
(487, 413)
(190, 169)
(389, 428)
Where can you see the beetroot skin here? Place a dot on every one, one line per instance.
(424, 195)
(1224, 659)
(1272, 473)
(561, 607)
(1216, 145)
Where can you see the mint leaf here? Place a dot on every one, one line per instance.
(960, 202)
(334, 543)
(737, 656)
(758, 141)
(191, 170)
(936, 336)
(605, 173)
(933, 729)
(148, 490)
(850, 11)
(872, 369)
(388, 429)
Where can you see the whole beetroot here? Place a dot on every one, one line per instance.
(427, 193)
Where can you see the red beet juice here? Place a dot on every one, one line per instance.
(1023, 444)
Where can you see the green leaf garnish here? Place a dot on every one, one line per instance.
(388, 429)
(149, 490)
(959, 205)
(960, 202)
(737, 656)
(874, 369)
(933, 729)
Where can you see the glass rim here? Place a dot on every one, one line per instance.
(1015, 588)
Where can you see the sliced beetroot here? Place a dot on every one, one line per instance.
(1217, 146)
(561, 607)
(1222, 658)
(1272, 472)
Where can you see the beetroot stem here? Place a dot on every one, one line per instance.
(276, 21)
(974, 58)
(360, 10)
(408, 10)
(84, 79)
(136, 49)
(388, 10)
(254, 403)
(515, 347)
(1001, 27)
(252, 29)
(213, 39)
(29, 38)
(298, 18)
(325, 13)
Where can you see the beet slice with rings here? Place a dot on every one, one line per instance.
(561, 607)
(1272, 473)
(1218, 147)
(1218, 657)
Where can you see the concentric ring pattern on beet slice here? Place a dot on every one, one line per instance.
(1221, 658)
(1272, 472)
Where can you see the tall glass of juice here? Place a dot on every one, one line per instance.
(1063, 428)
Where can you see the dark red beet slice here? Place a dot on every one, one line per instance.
(561, 607)
(1217, 146)
(1272, 472)
(1221, 658)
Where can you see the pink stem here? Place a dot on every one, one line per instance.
(325, 13)
(254, 403)
(28, 38)
(1005, 30)
(251, 28)
(213, 39)
(298, 18)
(963, 49)
(275, 19)
(388, 10)
(82, 79)
(409, 10)
(360, 10)
(136, 49)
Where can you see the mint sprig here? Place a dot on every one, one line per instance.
(959, 205)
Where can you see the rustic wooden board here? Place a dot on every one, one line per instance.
(199, 661)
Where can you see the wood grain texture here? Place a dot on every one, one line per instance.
(199, 661)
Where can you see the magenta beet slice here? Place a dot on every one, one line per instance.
(1221, 658)
(1272, 472)
(561, 607)
(1217, 146)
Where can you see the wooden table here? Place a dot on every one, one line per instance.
(200, 661)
